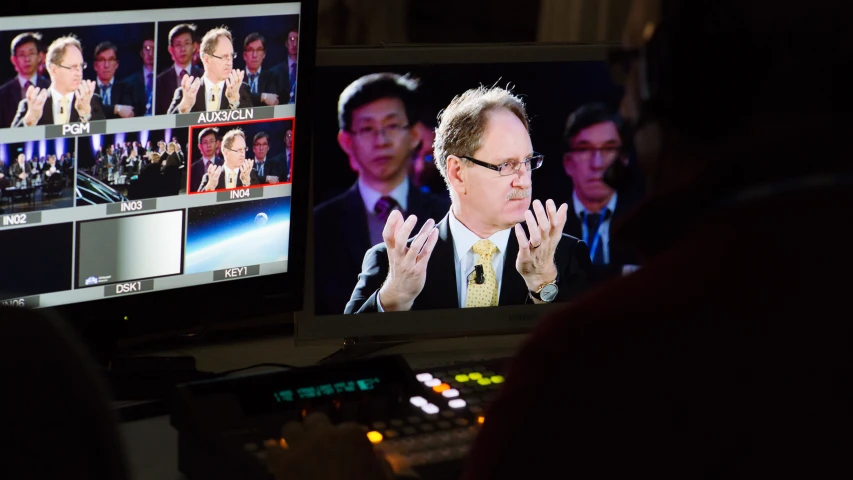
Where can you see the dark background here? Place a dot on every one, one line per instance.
(41, 263)
(551, 92)
(274, 30)
(127, 38)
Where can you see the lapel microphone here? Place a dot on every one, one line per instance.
(479, 278)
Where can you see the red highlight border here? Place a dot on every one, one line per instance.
(191, 149)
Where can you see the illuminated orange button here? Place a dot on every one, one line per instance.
(441, 388)
(481, 419)
(283, 443)
(374, 437)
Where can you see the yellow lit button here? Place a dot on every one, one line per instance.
(484, 381)
(497, 379)
(475, 375)
(481, 419)
(462, 378)
(441, 388)
(282, 443)
(374, 437)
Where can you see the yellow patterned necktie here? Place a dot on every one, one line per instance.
(213, 102)
(64, 113)
(486, 293)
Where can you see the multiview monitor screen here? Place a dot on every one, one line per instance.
(147, 150)
(385, 117)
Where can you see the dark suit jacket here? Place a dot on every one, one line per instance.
(726, 356)
(221, 184)
(138, 98)
(201, 102)
(620, 254)
(167, 85)
(47, 113)
(440, 290)
(120, 94)
(282, 74)
(282, 166)
(10, 97)
(271, 167)
(268, 82)
(197, 172)
(342, 236)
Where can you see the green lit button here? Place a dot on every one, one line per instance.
(484, 381)
(497, 379)
(462, 378)
(475, 375)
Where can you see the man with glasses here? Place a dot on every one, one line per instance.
(208, 143)
(115, 95)
(182, 44)
(237, 171)
(265, 167)
(26, 57)
(263, 84)
(69, 98)
(141, 83)
(286, 70)
(221, 86)
(478, 255)
(375, 120)
(594, 140)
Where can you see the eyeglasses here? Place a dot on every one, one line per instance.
(75, 68)
(293, 39)
(148, 48)
(109, 61)
(26, 55)
(510, 168)
(226, 58)
(586, 154)
(184, 45)
(262, 145)
(391, 131)
(243, 151)
(254, 50)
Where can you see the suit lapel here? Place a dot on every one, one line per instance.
(356, 225)
(47, 113)
(201, 98)
(440, 290)
(513, 288)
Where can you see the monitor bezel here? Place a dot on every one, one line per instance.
(263, 300)
(311, 329)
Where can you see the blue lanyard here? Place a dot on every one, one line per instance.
(594, 245)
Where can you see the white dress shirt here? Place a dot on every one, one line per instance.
(370, 196)
(465, 259)
(55, 97)
(229, 174)
(208, 89)
(187, 68)
(33, 80)
(603, 229)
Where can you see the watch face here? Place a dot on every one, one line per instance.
(548, 292)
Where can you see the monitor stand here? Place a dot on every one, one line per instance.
(354, 348)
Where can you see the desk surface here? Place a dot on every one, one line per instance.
(152, 444)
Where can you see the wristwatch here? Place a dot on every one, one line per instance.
(546, 292)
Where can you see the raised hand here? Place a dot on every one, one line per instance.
(269, 99)
(535, 261)
(406, 264)
(83, 98)
(36, 98)
(189, 88)
(246, 172)
(232, 86)
(317, 450)
(213, 173)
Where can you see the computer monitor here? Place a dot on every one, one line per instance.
(152, 170)
(553, 80)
